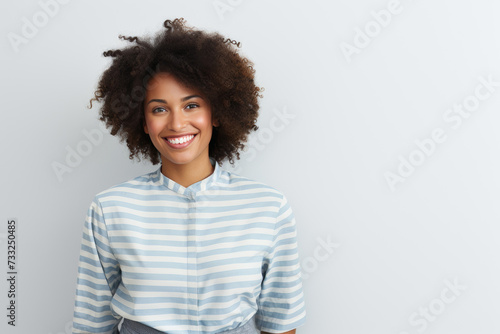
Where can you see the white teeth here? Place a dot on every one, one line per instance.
(181, 139)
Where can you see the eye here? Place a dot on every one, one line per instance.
(155, 109)
(192, 104)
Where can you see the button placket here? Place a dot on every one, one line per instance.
(190, 194)
(193, 249)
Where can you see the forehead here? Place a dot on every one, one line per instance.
(165, 83)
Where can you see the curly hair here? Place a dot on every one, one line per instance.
(207, 62)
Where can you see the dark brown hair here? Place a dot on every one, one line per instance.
(204, 61)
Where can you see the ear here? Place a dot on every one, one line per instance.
(145, 127)
(215, 123)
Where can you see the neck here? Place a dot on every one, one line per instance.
(187, 174)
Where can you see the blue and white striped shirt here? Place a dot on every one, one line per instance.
(201, 259)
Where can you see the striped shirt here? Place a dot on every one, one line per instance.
(183, 260)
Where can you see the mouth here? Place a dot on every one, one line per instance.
(180, 142)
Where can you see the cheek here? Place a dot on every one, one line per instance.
(154, 127)
(202, 121)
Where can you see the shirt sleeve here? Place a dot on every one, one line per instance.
(98, 278)
(281, 301)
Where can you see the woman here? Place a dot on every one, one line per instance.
(189, 247)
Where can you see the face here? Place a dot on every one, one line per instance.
(173, 111)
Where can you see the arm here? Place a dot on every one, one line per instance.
(281, 305)
(98, 278)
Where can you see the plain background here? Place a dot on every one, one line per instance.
(373, 257)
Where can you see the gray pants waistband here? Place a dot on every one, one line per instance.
(134, 327)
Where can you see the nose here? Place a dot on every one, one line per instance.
(178, 119)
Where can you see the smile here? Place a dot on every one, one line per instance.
(180, 142)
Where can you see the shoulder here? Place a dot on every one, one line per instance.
(136, 185)
(244, 184)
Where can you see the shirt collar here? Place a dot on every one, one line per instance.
(193, 189)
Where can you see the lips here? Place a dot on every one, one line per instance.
(178, 136)
(180, 144)
(180, 139)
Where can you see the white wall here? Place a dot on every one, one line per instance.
(376, 258)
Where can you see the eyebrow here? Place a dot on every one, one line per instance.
(182, 100)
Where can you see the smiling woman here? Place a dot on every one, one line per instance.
(180, 130)
(189, 247)
(200, 61)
